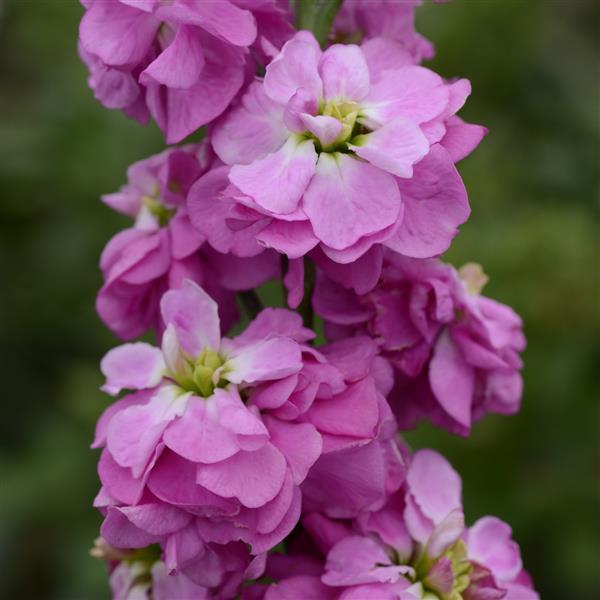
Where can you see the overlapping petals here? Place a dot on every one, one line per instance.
(456, 353)
(335, 150)
(180, 62)
(163, 248)
(221, 434)
(416, 546)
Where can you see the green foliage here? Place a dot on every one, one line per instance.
(534, 228)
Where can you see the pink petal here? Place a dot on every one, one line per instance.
(299, 586)
(295, 239)
(271, 322)
(199, 436)
(156, 519)
(133, 366)
(326, 129)
(395, 147)
(415, 93)
(300, 443)
(302, 102)
(180, 112)
(273, 358)
(452, 380)
(383, 54)
(435, 204)
(119, 532)
(278, 181)
(355, 560)
(294, 68)
(344, 72)
(490, 543)
(134, 433)
(180, 64)
(253, 478)
(250, 131)
(434, 486)
(173, 480)
(119, 35)
(359, 407)
(349, 199)
(105, 418)
(461, 138)
(222, 19)
(194, 314)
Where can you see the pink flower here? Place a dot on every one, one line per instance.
(163, 249)
(222, 432)
(182, 62)
(335, 152)
(388, 20)
(455, 352)
(415, 545)
(218, 572)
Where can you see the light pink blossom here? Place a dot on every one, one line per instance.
(181, 62)
(332, 152)
(456, 353)
(162, 249)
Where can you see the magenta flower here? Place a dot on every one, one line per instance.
(388, 21)
(456, 352)
(182, 62)
(163, 249)
(416, 546)
(139, 574)
(334, 150)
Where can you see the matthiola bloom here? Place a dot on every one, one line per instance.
(142, 574)
(336, 150)
(389, 20)
(456, 353)
(180, 61)
(416, 546)
(215, 445)
(162, 249)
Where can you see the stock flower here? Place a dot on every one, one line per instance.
(334, 150)
(181, 62)
(388, 20)
(162, 249)
(216, 442)
(143, 573)
(455, 352)
(415, 547)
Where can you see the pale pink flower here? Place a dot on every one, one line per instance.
(456, 352)
(334, 151)
(181, 62)
(162, 249)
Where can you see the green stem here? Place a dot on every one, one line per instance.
(317, 16)
(252, 303)
(306, 309)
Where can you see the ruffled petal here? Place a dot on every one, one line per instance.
(349, 199)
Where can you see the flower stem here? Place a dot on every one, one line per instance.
(251, 302)
(317, 16)
(306, 309)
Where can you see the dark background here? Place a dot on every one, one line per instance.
(533, 187)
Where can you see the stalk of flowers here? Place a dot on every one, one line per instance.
(456, 353)
(337, 151)
(181, 62)
(162, 249)
(415, 547)
(221, 434)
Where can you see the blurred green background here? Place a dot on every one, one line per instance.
(533, 185)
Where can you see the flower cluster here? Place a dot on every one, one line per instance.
(239, 448)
